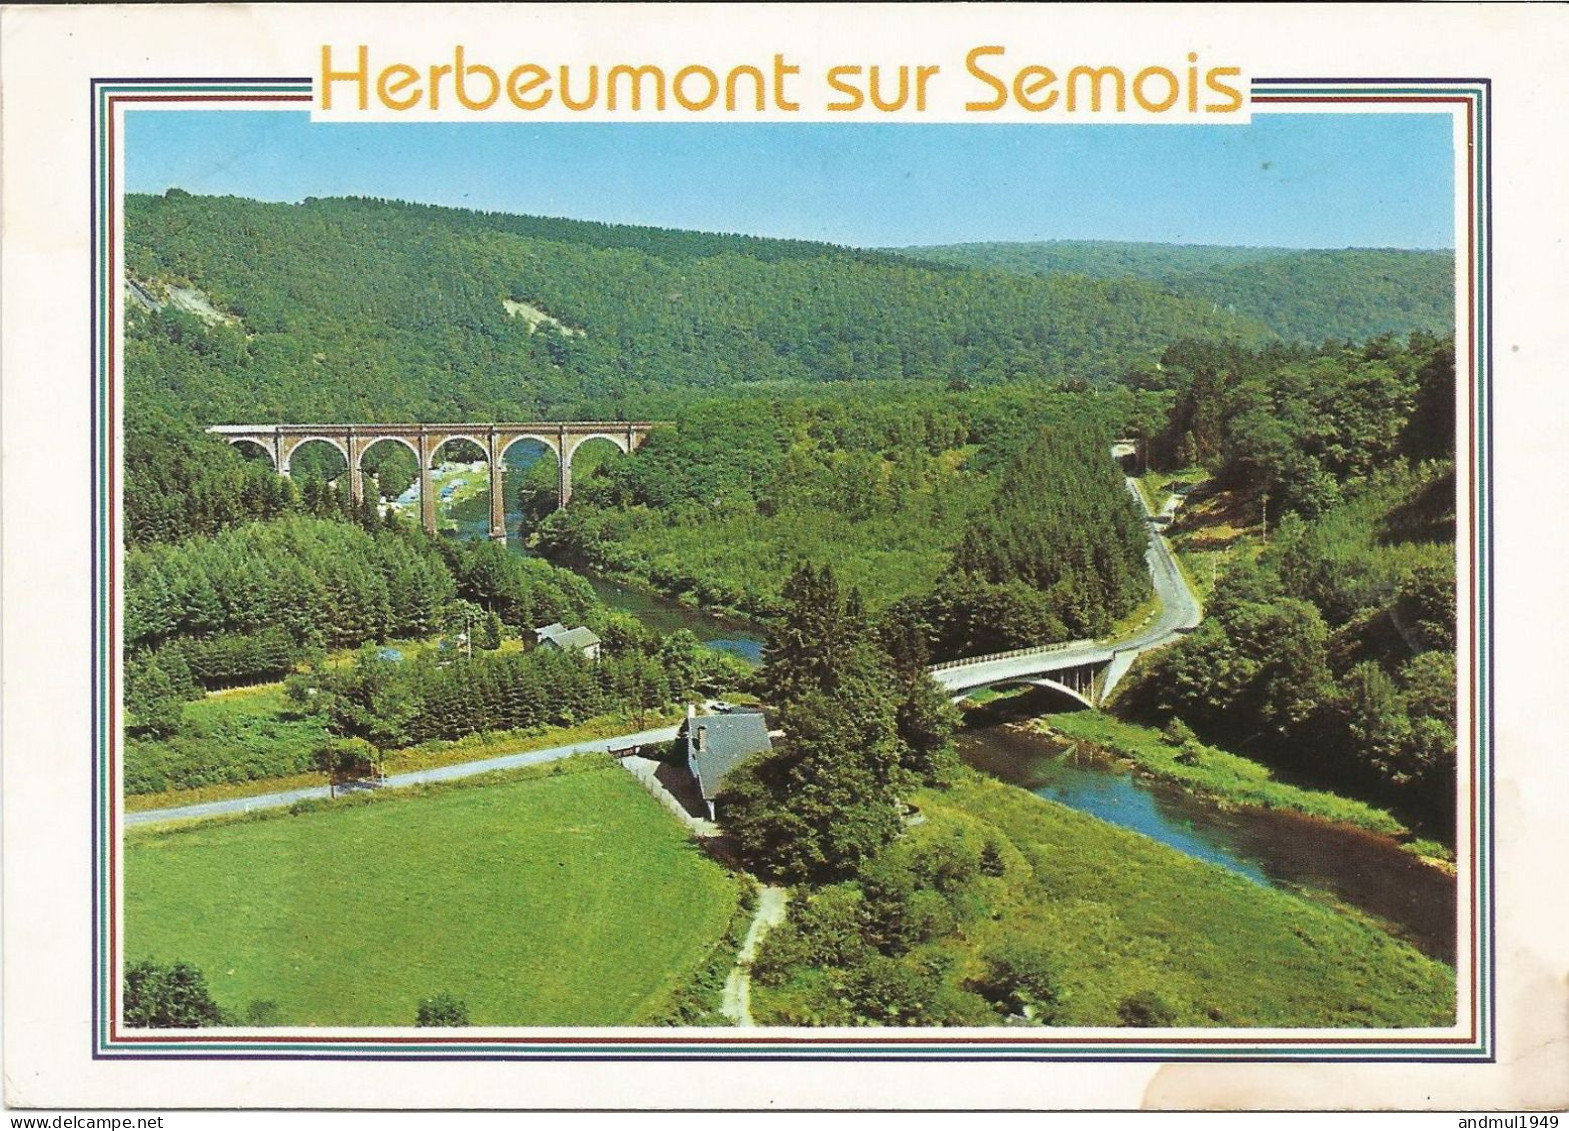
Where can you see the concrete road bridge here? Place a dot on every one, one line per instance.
(1088, 670)
(563, 437)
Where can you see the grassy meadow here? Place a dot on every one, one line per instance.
(1120, 916)
(245, 734)
(556, 896)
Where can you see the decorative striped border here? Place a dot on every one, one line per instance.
(1470, 97)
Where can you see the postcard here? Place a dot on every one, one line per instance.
(896, 556)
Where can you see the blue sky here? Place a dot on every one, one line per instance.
(1297, 180)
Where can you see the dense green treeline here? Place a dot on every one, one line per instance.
(395, 703)
(1062, 522)
(251, 602)
(366, 310)
(327, 584)
(1334, 657)
(1304, 296)
(1303, 425)
(664, 243)
(180, 482)
(1346, 296)
(1333, 654)
(720, 508)
(1056, 554)
(334, 584)
(1097, 259)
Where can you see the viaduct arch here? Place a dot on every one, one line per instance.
(563, 437)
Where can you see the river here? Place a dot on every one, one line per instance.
(1269, 847)
(663, 614)
(1371, 873)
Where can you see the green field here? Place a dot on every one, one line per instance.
(547, 898)
(246, 734)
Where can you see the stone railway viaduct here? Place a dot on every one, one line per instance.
(281, 441)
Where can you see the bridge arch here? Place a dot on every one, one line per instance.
(292, 444)
(364, 465)
(507, 441)
(1062, 688)
(366, 443)
(576, 442)
(519, 472)
(440, 440)
(247, 445)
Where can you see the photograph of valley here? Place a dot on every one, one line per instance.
(809, 576)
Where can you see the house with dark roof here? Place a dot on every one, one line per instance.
(716, 744)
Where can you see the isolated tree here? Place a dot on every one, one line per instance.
(487, 633)
(153, 702)
(346, 760)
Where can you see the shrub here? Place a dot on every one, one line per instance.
(1146, 1010)
(1021, 980)
(443, 1010)
(168, 997)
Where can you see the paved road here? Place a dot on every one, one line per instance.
(1179, 610)
(400, 781)
(1179, 605)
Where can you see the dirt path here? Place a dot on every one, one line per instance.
(737, 1001)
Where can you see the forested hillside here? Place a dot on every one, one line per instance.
(1095, 259)
(719, 509)
(1306, 296)
(1333, 652)
(363, 309)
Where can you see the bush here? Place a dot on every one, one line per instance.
(443, 1010)
(992, 863)
(1021, 980)
(823, 931)
(1178, 733)
(168, 997)
(1146, 1010)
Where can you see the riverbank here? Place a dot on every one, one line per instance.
(1056, 918)
(1229, 779)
